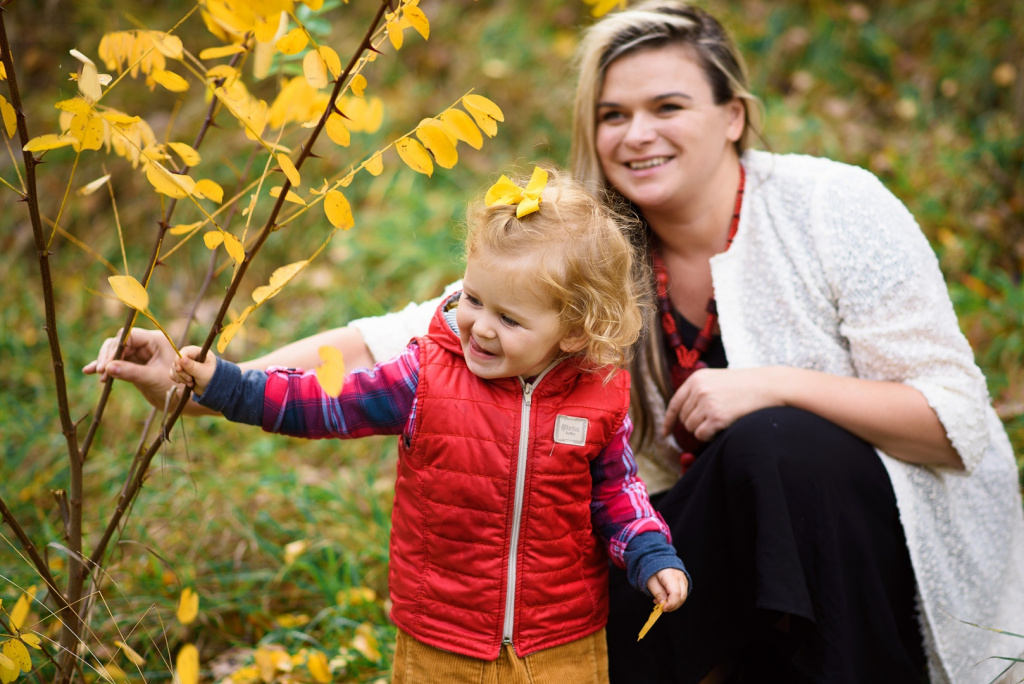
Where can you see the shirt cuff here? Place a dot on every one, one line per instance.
(238, 395)
(648, 553)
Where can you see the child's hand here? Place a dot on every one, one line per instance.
(187, 371)
(669, 588)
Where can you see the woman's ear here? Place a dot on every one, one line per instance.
(572, 342)
(737, 119)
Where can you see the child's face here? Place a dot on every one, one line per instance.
(508, 324)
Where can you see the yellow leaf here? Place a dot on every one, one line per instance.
(336, 130)
(365, 642)
(92, 187)
(375, 164)
(436, 140)
(167, 183)
(281, 277)
(289, 169)
(183, 228)
(213, 239)
(218, 52)
(314, 4)
(231, 328)
(459, 124)
(355, 596)
(293, 550)
(87, 129)
(234, 248)
(414, 155)
(21, 608)
(314, 69)
(290, 197)
(169, 80)
(188, 154)
(8, 670)
(31, 639)
(131, 292)
(49, 141)
(319, 668)
(187, 665)
(119, 119)
(358, 84)
(331, 59)
(89, 83)
(16, 651)
(131, 654)
(415, 16)
(484, 112)
(331, 371)
(338, 211)
(655, 614)
(75, 105)
(111, 673)
(188, 606)
(222, 71)
(210, 190)
(10, 117)
(293, 42)
(395, 33)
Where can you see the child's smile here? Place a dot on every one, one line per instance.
(507, 322)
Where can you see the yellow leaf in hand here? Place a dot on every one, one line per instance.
(188, 606)
(436, 140)
(293, 42)
(655, 614)
(319, 668)
(484, 112)
(10, 117)
(415, 156)
(338, 210)
(16, 651)
(187, 665)
(289, 169)
(131, 292)
(459, 124)
(331, 372)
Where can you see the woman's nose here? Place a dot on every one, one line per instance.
(640, 130)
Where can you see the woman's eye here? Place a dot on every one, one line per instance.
(610, 116)
(669, 107)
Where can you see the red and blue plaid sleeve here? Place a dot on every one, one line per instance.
(620, 507)
(373, 401)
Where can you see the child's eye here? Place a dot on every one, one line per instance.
(471, 299)
(509, 322)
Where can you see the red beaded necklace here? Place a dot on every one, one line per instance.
(685, 361)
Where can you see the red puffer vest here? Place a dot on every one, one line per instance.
(492, 505)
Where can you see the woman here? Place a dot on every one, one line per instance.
(849, 494)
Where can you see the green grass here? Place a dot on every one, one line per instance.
(909, 93)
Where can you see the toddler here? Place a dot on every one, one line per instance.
(515, 477)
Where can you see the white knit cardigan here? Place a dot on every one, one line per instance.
(830, 272)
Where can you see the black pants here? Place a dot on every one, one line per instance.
(788, 526)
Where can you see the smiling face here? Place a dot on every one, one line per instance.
(660, 137)
(507, 323)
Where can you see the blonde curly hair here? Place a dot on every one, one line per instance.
(582, 258)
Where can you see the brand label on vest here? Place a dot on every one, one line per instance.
(570, 430)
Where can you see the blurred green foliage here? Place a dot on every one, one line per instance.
(928, 94)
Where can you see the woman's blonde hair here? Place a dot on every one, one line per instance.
(580, 254)
(649, 25)
(646, 26)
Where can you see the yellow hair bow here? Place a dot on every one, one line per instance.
(507, 192)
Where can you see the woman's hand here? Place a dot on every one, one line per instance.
(713, 399)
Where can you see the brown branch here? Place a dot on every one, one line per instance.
(38, 562)
(124, 501)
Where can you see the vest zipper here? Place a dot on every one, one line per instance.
(517, 511)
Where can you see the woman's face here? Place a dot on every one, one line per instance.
(660, 135)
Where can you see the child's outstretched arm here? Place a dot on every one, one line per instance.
(192, 373)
